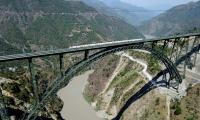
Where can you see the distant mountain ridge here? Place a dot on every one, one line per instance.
(31, 25)
(130, 13)
(179, 19)
(100, 7)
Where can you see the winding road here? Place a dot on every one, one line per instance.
(145, 66)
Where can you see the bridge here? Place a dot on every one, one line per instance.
(174, 51)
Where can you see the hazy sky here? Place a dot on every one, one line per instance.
(157, 4)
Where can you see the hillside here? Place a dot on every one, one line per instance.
(130, 13)
(101, 7)
(31, 25)
(113, 83)
(34, 25)
(188, 107)
(6, 48)
(179, 19)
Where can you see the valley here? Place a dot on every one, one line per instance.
(101, 89)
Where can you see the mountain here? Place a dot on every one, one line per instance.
(100, 7)
(130, 13)
(34, 25)
(30, 25)
(178, 19)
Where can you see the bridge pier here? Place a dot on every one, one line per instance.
(173, 48)
(154, 44)
(165, 44)
(197, 41)
(86, 54)
(33, 80)
(186, 61)
(61, 59)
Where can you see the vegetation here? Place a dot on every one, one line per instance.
(46, 30)
(132, 91)
(17, 91)
(88, 98)
(187, 107)
(177, 110)
(9, 100)
(45, 5)
(153, 63)
(178, 19)
(103, 70)
(123, 81)
(11, 88)
(157, 101)
(55, 104)
(39, 25)
(191, 117)
(126, 75)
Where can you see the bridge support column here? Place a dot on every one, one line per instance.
(153, 44)
(173, 48)
(195, 59)
(165, 44)
(32, 77)
(86, 55)
(180, 47)
(186, 61)
(195, 42)
(61, 58)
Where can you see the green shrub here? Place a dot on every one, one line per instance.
(9, 100)
(23, 95)
(178, 110)
(11, 87)
(157, 101)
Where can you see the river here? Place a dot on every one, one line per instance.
(75, 106)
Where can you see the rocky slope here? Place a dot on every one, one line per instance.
(188, 107)
(179, 19)
(110, 86)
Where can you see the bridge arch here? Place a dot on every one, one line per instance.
(96, 56)
(71, 72)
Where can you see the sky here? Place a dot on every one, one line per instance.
(157, 4)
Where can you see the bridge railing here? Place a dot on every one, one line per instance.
(90, 47)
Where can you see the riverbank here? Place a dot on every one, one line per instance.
(75, 106)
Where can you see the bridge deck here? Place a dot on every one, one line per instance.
(87, 47)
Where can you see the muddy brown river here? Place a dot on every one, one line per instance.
(75, 107)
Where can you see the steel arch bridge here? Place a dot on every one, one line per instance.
(171, 51)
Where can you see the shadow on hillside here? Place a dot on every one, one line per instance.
(154, 83)
(18, 114)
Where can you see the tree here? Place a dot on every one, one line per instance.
(178, 110)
